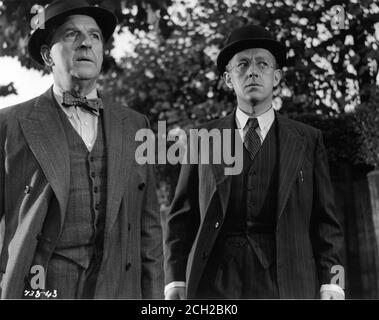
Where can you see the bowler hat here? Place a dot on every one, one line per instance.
(57, 11)
(250, 36)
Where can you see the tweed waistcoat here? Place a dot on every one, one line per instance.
(83, 228)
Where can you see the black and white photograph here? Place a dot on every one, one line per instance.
(205, 151)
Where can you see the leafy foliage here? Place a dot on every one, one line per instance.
(8, 89)
(367, 124)
(328, 70)
(351, 138)
(172, 75)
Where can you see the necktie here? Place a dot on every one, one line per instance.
(92, 105)
(252, 141)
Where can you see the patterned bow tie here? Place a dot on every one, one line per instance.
(92, 105)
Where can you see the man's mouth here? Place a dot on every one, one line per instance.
(253, 85)
(84, 59)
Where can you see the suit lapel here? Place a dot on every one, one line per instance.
(291, 154)
(45, 135)
(222, 181)
(119, 135)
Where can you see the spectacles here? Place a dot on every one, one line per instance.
(261, 64)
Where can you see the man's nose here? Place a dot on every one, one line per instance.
(253, 70)
(86, 41)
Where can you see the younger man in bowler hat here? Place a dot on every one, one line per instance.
(73, 201)
(270, 231)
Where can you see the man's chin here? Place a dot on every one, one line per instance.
(86, 74)
(254, 98)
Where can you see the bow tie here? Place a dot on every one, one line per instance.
(92, 105)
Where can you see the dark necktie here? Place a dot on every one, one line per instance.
(92, 105)
(252, 140)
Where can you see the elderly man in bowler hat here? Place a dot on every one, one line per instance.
(79, 217)
(269, 232)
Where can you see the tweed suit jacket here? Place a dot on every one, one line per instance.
(308, 234)
(35, 167)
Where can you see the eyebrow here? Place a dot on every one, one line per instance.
(74, 28)
(256, 56)
(95, 30)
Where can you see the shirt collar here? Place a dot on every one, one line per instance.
(58, 92)
(265, 120)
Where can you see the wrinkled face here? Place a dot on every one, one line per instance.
(76, 49)
(252, 74)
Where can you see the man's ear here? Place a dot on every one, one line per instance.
(228, 80)
(46, 56)
(278, 74)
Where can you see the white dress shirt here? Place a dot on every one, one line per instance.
(83, 121)
(265, 121)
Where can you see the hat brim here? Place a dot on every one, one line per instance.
(105, 19)
(277, 49)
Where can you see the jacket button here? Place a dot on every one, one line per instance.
(128, 226)
(141, 186)
(217, 225)
(127, 266)
(205, 254)
(27, 189)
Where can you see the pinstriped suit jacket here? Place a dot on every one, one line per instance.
(34, 167)
(308, 235)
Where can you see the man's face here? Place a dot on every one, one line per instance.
(252, 74)
(77, 49)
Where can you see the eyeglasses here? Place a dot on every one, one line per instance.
(242, 66)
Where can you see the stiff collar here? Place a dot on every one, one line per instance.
(265, 120)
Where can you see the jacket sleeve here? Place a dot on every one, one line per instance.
(181, 224)
(151, 241)
(2, 171)
(326, 231)
(2, 191)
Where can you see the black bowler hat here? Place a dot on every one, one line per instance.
(250, 36)
(57, 11)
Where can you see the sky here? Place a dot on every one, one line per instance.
(30, 83)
